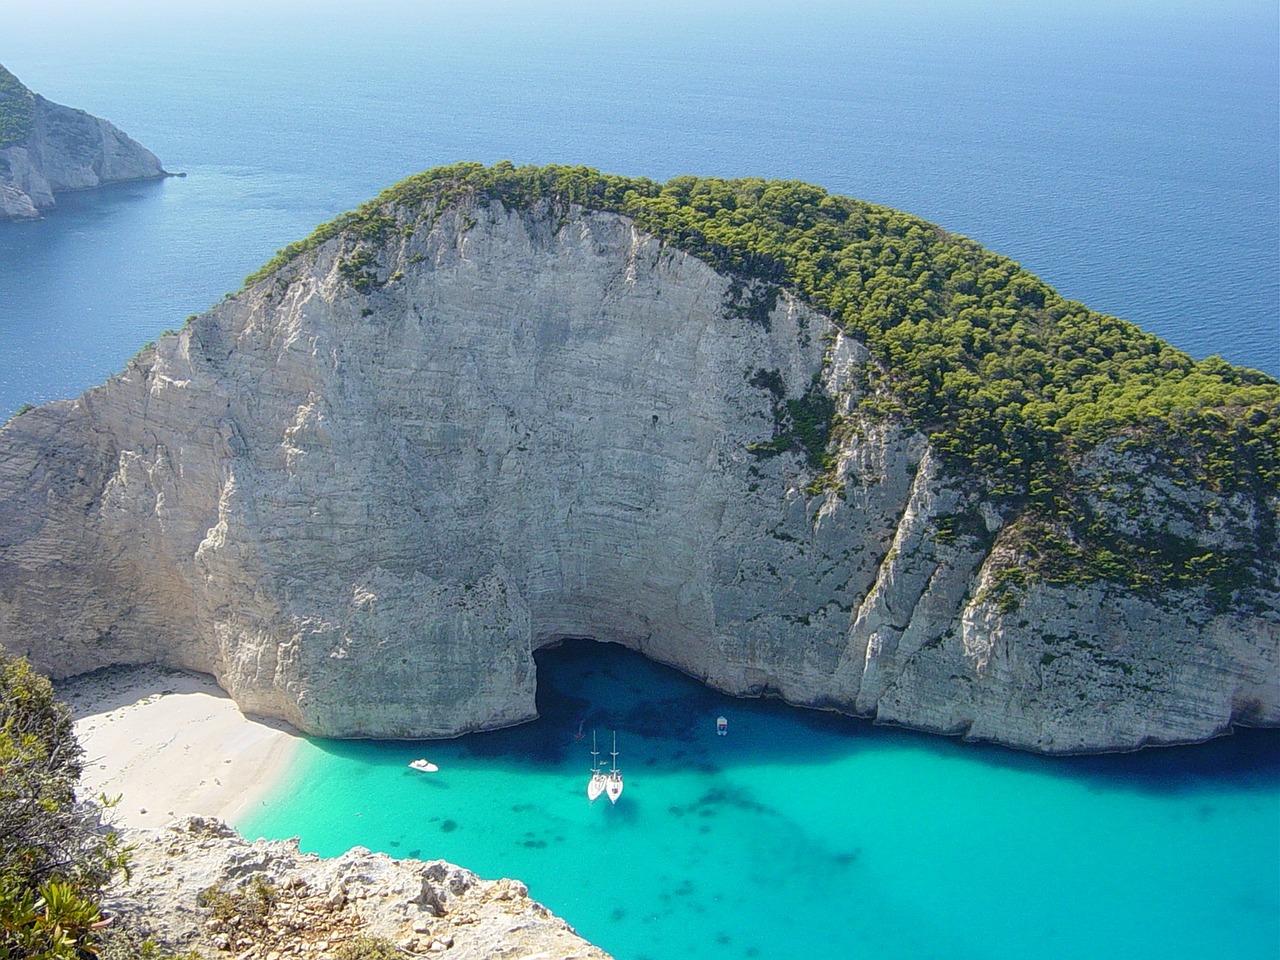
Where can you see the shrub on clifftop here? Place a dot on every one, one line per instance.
(17, 109)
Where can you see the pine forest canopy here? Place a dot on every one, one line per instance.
(1011, 382)
(17, 109)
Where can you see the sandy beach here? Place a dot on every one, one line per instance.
(172, 743)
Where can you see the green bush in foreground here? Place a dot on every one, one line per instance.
(367, 948)
(55, 855)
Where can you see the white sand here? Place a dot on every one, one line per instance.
(172, 744)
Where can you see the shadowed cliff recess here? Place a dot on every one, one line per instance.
(790, 443)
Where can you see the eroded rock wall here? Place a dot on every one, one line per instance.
(314, 907)
(362, 493)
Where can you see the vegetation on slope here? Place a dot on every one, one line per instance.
(56, 854)
(17, 109)
(54, 858)
(1012, 383)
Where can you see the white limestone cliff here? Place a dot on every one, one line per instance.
(365, 490)
(67, 149)
(275, 901)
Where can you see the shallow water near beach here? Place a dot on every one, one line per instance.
(802, 834)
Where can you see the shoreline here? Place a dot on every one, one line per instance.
(171, 744)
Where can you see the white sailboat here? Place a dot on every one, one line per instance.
(596, 785)
(613, 783)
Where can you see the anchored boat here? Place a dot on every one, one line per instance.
(613, 782)
(596, 785)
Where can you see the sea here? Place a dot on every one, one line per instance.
(1129, 154)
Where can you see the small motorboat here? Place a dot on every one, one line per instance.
(722, 726)
(426, 766)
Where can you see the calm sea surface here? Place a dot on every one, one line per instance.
(1128, 153)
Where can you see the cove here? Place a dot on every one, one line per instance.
(804, 834)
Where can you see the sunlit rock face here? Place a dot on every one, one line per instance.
(62, 149)
(425, 907)
(363, 491)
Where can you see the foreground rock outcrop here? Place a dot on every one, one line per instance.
(46, 148)
(364, 490)
(198, 886)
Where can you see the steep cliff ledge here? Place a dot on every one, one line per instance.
(196, 886)
(46, 148)
(789, 443)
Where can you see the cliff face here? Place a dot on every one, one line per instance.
(362, 492)
(52, 148)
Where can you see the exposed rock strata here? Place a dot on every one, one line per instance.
(66, 149)
(362, 492)
(315, 905)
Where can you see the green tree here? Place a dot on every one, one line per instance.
(17, 109)
(56, 855)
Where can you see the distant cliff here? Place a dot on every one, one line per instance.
(866, 467)
(46, 148)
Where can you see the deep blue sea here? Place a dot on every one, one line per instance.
(1127, 153)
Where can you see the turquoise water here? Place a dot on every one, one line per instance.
(803, 834)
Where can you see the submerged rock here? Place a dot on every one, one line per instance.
(364, 490)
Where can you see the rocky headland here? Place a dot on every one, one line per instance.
(491, 410)
(46, 148)
(196, 885)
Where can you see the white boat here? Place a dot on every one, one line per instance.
(596, 785)
(426, 766)
(722, 726)
(613, 782)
